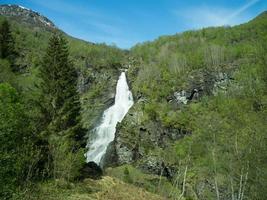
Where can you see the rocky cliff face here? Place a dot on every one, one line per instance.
(201, 83)
(138, 138)
(26, 16)
(97, 88)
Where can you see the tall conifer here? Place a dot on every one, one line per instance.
(60, 98)
(7, 50)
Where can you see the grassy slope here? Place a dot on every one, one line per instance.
(108, 188)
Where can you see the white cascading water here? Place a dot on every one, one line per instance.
(105, 132)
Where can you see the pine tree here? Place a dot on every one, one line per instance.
(63, 139)
(6, 42)
(60, 98)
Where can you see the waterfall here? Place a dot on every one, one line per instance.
(105, 132)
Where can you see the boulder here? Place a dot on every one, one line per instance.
(91, 170)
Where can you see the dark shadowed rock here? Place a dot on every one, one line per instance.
(91, 170)
(156, 165)
(110, 158)
(133, 139)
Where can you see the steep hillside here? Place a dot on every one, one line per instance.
(26, 16)
(200, 112)
(98, 65)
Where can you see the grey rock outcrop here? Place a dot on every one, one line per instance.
(181, 97)
(26, 15)
(201, 83)
(133, 139)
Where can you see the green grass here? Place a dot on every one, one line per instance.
(107, 188)
(152, 183)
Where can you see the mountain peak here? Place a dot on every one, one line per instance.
(25, 15)
(22, 7)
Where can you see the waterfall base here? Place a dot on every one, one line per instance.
(91, 170)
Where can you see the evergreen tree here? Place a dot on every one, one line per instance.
(60, 103)
(60, 98)
(6, 42)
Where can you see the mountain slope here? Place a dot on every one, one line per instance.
(198, 126)
(97, 64)
(200, 112)
(26, 16)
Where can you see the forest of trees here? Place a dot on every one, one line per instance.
(49, 141)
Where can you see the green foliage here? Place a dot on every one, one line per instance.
(226, 152)
(61, 105)
(6, 74)
(66, 163)
(151, 183)
(227, 146)
(127, 176)
(168, 61)
(6, 42)
(18, 155)
(225, 157)
(50, 137)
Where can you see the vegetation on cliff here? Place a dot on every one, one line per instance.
(197, 129)
(222, 74)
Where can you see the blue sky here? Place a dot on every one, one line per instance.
(127, 22)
